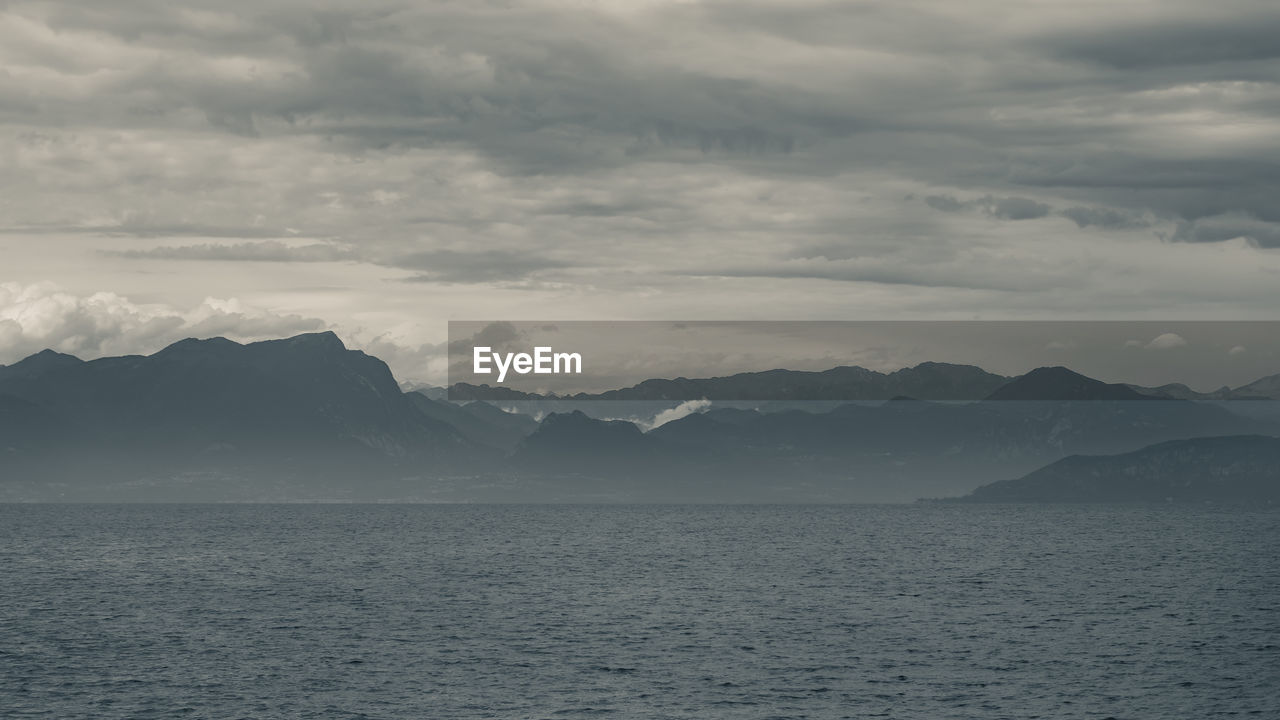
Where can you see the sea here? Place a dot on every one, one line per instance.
(589, 611)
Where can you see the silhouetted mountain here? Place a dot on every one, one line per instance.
(927, 381)
(935, 381)
(1267, 387)
(930, 380)
(481, 423)
(431, 392)
(36, 365)
(463, 392)
(306, 417)
(1178, 391)
(574, 442)
(24, 427)
(1059, 384)
(895, 451)
(1234, 469)
(1255, 391)
(303, 406)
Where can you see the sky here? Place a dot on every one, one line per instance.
(260, 169)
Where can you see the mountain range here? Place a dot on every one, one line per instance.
(936, 381)
(307, 418)
(931, 380)
(300, 412)
(1242, 469)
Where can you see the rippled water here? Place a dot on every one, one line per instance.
(648, 612)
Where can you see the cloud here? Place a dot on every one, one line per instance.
(1166, 341)
(651, 157)
(684, 409)
(1221, 228)
(474, 266)
(945, 203)
(1104, 218)
(1237, 350)
(1018, 208)
(412, 363)
(1174, 42)
(433, 265)
(39, 316)
(270, 251)
(1003, 208)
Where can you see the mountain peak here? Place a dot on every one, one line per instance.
(49, 357)
(190, 344)
(1061, 384)
(327, 339)
(323, 341)
(40, 363)
(1262, 387)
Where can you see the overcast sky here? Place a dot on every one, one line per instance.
(376, 168)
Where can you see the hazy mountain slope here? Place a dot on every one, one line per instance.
(1267, 387)
(479, 422)
(36, 365)
(305, 405)
(1061, 385)
(307, 413)
(897, 450)
(930, 380)
(1232, 469)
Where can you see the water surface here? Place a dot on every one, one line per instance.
(429, 611)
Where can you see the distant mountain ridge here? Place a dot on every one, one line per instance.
(928, 380)
(1063, 385)
(308, 417)
(34, 366)
(1266, 388)
(932, 381)
(306, 408)
(1231, 469)
(892, 452)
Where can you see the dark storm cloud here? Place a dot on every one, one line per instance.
(1261, 234)
(244, 252)
(587, 208)
(473, 267)
(502, 336)
(1178, 42)
(893, 272)
(143, 230)
(945, 203)
(489, 142)
(1018, 208)
(1085, 217)
(526, 85)
(1004, 208)
(435, 265)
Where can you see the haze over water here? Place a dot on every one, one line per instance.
(638, 611)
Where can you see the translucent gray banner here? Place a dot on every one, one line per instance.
(860, 360)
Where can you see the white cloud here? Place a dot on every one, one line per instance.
(762, 159)
(37, 316)
(684, 409)
(1237, 350)
(1167, 341)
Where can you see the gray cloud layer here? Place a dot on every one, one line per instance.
(994, 148)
